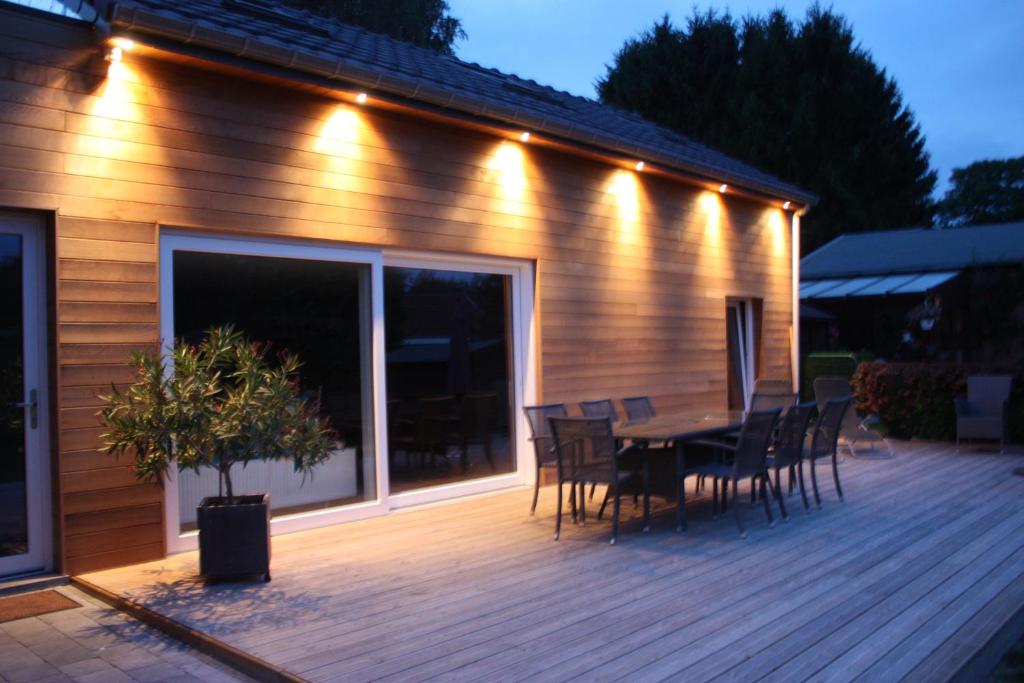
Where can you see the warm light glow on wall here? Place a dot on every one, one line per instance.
(338, 137)
(777, 226)
(506, 169)
(625, 191)
(105, 136)
(714, 257)
(711, 210)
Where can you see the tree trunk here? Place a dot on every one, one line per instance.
(225, 474)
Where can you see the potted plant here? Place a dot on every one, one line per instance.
(222, 405)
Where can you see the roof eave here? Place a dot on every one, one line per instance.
(135, 20)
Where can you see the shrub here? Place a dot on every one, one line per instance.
(223, 405)
(916, 399)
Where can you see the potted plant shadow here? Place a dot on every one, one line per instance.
(222, 405)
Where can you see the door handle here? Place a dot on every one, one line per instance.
(33, 408)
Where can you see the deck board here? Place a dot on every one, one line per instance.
(909, 577)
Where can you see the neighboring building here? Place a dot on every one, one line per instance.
(441, 243)
(920, 294)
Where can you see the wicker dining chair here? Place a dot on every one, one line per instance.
(587, 453)
(749, 461)
(825, 441)
(638, 408)
(788, 452)
(543, 444)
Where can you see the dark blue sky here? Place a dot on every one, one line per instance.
(959, 63)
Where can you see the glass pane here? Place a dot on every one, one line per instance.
(13, 514)
(318, 310)
(449, 375)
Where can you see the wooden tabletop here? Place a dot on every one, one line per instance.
(680, 426)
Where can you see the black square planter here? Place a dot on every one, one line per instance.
(234, 540)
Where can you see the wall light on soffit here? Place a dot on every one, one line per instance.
(118, 46)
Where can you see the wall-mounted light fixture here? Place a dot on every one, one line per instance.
(118, 46)
(723, 188)
(785, 205)
(639, 165)
(524, 136)
(361, 98)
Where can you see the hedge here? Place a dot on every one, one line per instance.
(916, 399)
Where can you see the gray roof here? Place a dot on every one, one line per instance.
(271, 33)
(917, 250)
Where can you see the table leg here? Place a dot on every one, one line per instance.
(681, 483)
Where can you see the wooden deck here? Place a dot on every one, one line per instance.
(906, 580)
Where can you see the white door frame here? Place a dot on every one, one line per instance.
(171, 241)
(37, 440)
(745, 334)
(523, 370)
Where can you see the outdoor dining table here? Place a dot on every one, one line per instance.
(677, 430)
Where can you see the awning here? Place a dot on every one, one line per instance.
(874, 285)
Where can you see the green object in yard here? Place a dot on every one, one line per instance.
(828, 364)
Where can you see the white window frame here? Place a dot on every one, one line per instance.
(524, 368)
(171, 241)
(38, 496)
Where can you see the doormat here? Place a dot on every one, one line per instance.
(34, 604)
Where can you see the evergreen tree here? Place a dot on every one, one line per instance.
(802, 101)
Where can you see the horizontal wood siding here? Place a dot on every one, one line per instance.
(633, 269)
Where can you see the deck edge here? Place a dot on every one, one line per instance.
(986, 659)
(239, 660)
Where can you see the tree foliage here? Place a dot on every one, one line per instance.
(802, 101)
(426, 23)
(223, 405)
(990, 191)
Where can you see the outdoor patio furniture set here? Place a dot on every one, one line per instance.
(645, 454)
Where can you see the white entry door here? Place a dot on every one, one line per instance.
(24, 460)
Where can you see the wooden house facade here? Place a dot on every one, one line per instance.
(162, 169)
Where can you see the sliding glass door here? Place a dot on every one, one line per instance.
(450, 376)
(421, 364)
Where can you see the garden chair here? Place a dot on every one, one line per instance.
(825, 441)
(788, 453)
(604, 407)
(587, 453)
(749, 461)
(858, 434)
(983, 412)
(638, 408)
(543, 443)
(600, 408)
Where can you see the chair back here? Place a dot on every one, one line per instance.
(752, 444)
(988, 393)
(601, 408)
(763, 400)
(827, 388)
(585, 447)
(638, 408)
(793, 432)
(829, 425)
(540, 429)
